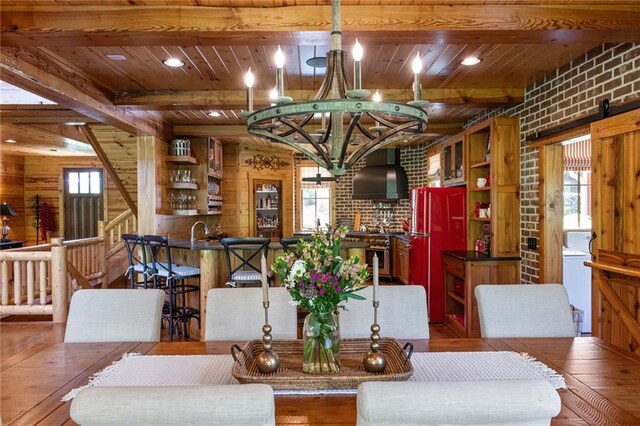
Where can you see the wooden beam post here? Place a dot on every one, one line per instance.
(59, 284)
(110, 169)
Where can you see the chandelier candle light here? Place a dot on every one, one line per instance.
(295, 123)
(268, 361)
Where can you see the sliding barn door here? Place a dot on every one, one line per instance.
(83, 203)
(616, 229)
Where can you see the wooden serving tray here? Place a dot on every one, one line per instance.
(352, 372)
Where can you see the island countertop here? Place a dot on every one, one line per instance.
(216, 245)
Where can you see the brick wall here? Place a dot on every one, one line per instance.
(571, 92)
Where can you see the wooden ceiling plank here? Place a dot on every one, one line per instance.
(189, 26)
(236, 99)
(63, 87)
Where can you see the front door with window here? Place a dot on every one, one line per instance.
(83, 203)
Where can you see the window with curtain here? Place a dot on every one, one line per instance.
(577, 183)
(433, 170)
(315, 199)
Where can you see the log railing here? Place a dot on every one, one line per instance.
(126, 222)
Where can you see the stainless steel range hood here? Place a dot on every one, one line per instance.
(382, 178)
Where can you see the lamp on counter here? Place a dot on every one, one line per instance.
(343, 137)
(6, 210)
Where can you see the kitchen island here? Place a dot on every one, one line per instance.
(209, 256)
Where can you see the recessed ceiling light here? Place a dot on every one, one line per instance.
(471, 60)
(214, 114)
(173, 62)
(116, 57)
(10, 141)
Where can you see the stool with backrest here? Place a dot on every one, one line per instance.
(402, 313)
(115, 315)
(238, 314)
(524, 310)
(490, 402)
(173, 279)
(138, 262)
(290, 244)
(243, 260)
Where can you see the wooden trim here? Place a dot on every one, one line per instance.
(76, 275)
(569, 134)
(623, 270)
(110, 169)
(551, 212)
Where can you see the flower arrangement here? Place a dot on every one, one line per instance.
(317, 278)
(320, 280)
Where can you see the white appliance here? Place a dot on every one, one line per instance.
(575, 276)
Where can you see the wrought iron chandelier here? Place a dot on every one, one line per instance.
(337, 103)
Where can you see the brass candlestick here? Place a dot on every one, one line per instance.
(268, 361)
(375, 361)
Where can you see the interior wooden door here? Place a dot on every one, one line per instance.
(616, 229)
(83, 203)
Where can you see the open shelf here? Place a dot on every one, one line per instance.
(480, 164)
(181, 159)
(182, 185)
(484, 188)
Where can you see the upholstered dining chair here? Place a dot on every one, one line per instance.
(243, 260)
(524, 310)
(499, 402)
(238, 314)
(250, 404)
(115, 315)
(402, 313)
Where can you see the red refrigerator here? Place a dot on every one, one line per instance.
(437, 223)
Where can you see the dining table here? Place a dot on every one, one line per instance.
(603, 381)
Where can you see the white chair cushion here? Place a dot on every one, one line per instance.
(524, 310)
(500, 402)
(175, 405)
(182, 271)
(238, 314)
(402, 313)
(115, 315)
(247, 275)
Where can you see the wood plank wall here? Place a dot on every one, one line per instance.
(238, 208)
(121, 149)
(12, 192)
(46, 179)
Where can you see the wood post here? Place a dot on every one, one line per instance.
(59, 280)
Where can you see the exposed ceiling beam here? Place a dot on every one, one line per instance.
(40, 114)
(241, 131)
(42, 76)
(29, 25)
(236, 99)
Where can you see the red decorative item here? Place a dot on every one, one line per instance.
(47, 221)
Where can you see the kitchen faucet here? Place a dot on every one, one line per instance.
(193, 229)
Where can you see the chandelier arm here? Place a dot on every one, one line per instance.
(379, 142)
(327, 133)
(345, 143)
(369, 135)
(318, 160)
(324, 89)
(299, 130)
(303, 122)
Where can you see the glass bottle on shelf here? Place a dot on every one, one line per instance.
(268, 201)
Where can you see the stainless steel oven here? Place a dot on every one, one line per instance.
(384, 259)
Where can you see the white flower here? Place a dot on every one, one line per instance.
(297, 270)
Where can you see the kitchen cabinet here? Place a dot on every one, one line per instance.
(401, 248)
(193, 180)
(493, 186)
(267, 209)
(463, 271)
(453, 164)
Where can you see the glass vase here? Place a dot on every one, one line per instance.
(321, 344)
